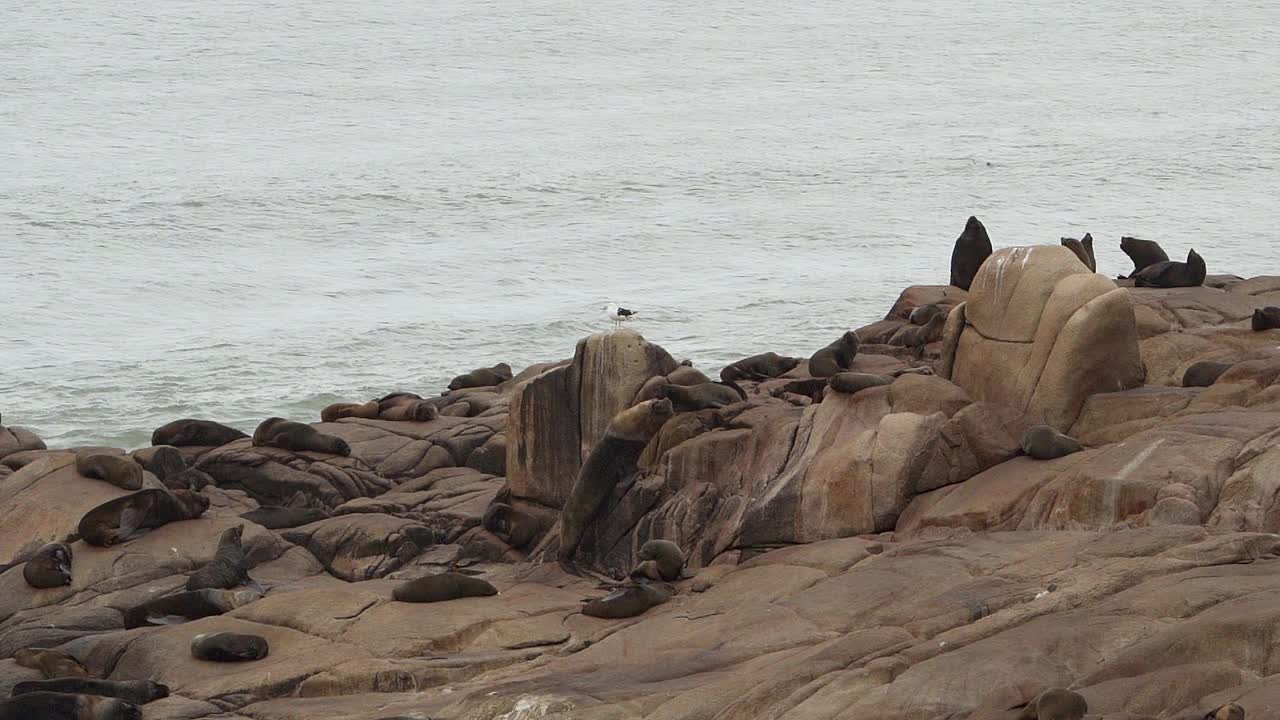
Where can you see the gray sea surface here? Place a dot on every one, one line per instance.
(236, 209)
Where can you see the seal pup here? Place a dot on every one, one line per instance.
(190, 605)
(119, 470)
(1204, 373)
(1172, 274)
(707, 396)
(1055, 704)
(852, 382)
(610, 462)
(667, 557)
(138, 692)
(1267, 318)
(124, 518)
(50, 567)
(337, 411)
(513, 527)
(835, 357)
(51, 663)
(628, 601)
(1230, 711)
(278, 518)
(924, 313)
(227, 568)
(60, 706)
(195, 433)
(1045, 443)
(759, 367)
(229, 647)
(482, 377)
(1083, 249)
(1143, 253)
(972, 248)
(445, 586)
(297, 437)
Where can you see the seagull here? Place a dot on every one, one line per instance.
(617, 315)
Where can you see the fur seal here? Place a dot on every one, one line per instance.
(513, 527)
(1172, 274)
(337, 411)
(227, 568)
(1044, 443)
(835, 357)
(666, 555)
(1143, 253)
(972, 248)
(184, 606)
(404, 408)
(138, 692)
(1083, 249)
(51, 663)
(195, 433)
(482, 377)
(611, 461)
(628, 601)
(1055, 704)
(1230, 711)
(119, 470)
(50, 567)
(852, 382)
(229, 647)
(1267, 318)
(278, 518)
(60, 706)
(707, 396)
(297, 437)
(122, 519)
(759, 367)
(811, 388)
(445, 586)
(918, 336)
(686, 375)
(1204, 373)
(163, 461)
(923, 314)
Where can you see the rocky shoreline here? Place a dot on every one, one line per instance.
(871, 542)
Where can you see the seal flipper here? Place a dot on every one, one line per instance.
(132, 517)
(167, 619)
(253, 584)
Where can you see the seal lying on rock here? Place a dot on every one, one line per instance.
(917, 337)
(1143, 253)
(972, 248)
(513, 527)
(124, 518)
(1044, 443)
(759, 367)
(227, 568)
(706, 396)
(482, 377)
(229, 647)
(59, 706)
(51, 663)
(811, 388)
(852, 382)
(195, 433)
(612, 460)
(184, 606)
(1230, 711)
(1267, 318)
(119, 470)
(138, 692)
(278, 518)
(297, 437)
(1083, 248)
(1204, 373)
(628, 601)
(445, 586)
(662, 558)
(836, 357)
(1055, 704)
(337, 411)
(50, 567)
(1173, 274)
(163, 461)
(923, 314)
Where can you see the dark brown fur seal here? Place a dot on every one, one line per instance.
(184, 606)
(1230, 711)
(918, 336)
(1083, 249)
(195, 433)
(666, 555)
(297, 437)
(60, 706)
(851, 382)
(229, 647)
(811, 388)
(759, 367)
(1204, 373)
(1056, 704)
(227, 568)
(1267, 318)
(1172, 274)
(445, 586)
(163, 461)
(122, 519)
(138, 692)
(835, 357)
(972, 248)
(51, 663)
(628, 601)
(119, 470)
(50, 567)
(1044, 443)
(337, 411)
(612, 460)
(482, 377)
(1143, 253)
(278, 518)
(706, 396)
(511, 526)
(923, 314)
(407, 409)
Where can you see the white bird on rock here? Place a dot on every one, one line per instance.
(618, 315)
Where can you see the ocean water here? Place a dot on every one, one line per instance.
(239, 209)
